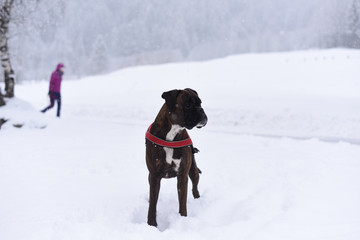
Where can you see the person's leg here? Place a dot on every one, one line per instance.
(52, 101)
(58, 105)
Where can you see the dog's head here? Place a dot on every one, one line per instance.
(185, 109)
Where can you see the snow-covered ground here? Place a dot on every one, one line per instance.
(280, 155)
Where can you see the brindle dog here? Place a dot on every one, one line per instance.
(182, 110)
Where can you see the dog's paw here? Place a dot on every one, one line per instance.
(196, 194)
(152, 223)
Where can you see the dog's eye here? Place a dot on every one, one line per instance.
(188, 105)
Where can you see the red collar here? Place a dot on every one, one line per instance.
(169, 144)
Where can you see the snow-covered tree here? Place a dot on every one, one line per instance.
(13, 16)
(9, 76)
(99, 57)
(200, 29)
(353, 25)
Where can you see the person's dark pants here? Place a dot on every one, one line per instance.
(54, 96)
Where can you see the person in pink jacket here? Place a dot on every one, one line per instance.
(55, 87)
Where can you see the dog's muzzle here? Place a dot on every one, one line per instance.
(203, 119)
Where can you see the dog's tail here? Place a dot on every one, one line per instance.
(195, 150)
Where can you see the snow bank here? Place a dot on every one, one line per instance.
(84, 175)
(20, 113)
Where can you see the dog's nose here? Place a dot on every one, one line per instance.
(203, 120)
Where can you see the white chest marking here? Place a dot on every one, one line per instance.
(175, 129)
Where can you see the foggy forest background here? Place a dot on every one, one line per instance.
(94, 37)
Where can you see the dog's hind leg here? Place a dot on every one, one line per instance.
(154, 194)
(194, 176)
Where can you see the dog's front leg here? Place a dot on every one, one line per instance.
(182, 187)
(154, 194)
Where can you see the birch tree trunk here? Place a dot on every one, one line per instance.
(9, 76)
(2, 102)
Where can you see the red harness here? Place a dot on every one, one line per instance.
(169, 144)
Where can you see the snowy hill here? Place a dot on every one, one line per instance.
(280, 154)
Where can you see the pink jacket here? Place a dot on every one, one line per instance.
(55, 81)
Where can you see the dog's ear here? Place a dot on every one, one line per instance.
(170, 99)
(192, 91)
